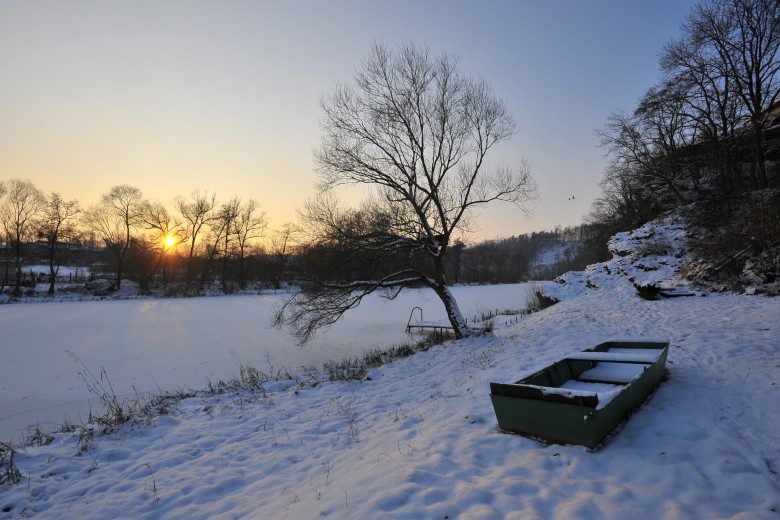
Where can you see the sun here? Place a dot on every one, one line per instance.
(169, 241)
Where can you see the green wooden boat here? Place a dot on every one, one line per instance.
(584, 396)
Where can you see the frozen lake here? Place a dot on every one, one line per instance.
(165, 344)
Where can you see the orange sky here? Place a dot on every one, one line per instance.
(180, 95)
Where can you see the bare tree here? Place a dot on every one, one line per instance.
(711, 104)
(114, 218)
(743, 39)
(416, 131)
(6, 241)
(249, 225)
(196, 211)
(21, 205)
(223, 229)
(282, 241)
(166, 232)
(651, 143)
(623, 204)
(57, 224)
(217, 241)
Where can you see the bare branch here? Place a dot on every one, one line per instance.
(416, 131)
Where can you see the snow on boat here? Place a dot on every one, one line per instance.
(584, 396)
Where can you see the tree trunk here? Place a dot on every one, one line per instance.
(280, 271)
(211, 253)
(5, 280)
(52, 271)
(241, 280)
(18, 264)
(118, 271)
(18, 282)
(458, 322)
(224, 268)
(759, 157)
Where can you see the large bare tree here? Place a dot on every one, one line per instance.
(249, 225)
(6, 240)
(742, 42)
(223, 231)
(415, 131)
(283, 242)
(114, 220)
(22, 204)
(56, 227)
(165, 233)
(651, 143)
(196, 212)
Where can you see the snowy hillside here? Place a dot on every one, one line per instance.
(651, 256)
(658, 256)
(418, 438)
(551, 258)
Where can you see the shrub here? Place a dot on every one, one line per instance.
(537, 300)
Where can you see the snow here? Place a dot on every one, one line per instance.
(62, 271)
(418, 438)
(629, 357)
(651, 351)
(614, 372)
(651, 255)
(153, 345)
(591, 388)
(605, 392)
(572, 388)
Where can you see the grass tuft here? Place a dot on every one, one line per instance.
(9, 473)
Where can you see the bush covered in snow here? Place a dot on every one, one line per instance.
(651, 256)
(661, 257)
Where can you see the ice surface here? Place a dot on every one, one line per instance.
(153, 345)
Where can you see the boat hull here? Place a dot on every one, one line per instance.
(582, 398)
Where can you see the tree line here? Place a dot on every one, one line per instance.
(197, 242)
(706, 136)
(184, 247)
(540, 255)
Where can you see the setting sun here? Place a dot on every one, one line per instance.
(169, 241)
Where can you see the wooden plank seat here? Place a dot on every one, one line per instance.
(647, 357)
(619, 373)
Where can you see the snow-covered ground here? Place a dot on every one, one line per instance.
(153, 345)
(418, 438)
(63, 272)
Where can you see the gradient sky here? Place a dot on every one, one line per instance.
(173, 96)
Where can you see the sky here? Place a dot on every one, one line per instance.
(177, 96)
